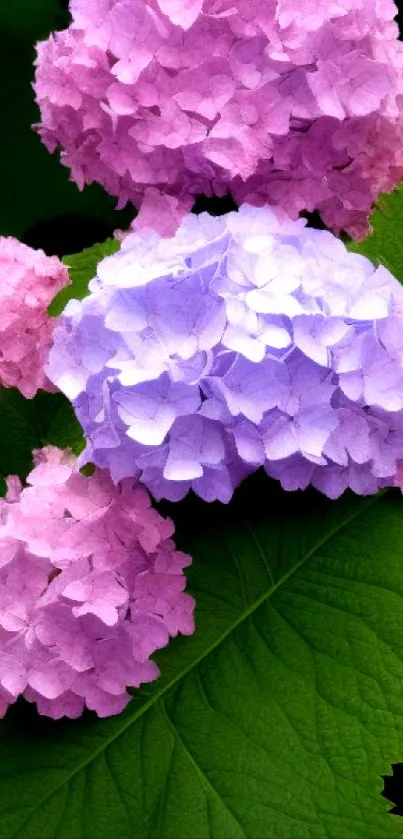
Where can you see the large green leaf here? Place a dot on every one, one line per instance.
(277, 719)
(385, 244)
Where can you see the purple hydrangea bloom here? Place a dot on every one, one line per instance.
(244, 341)
(295, 104)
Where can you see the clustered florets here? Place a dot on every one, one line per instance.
(297, 105)
(244, 341)
(29, 280)
(90, 586)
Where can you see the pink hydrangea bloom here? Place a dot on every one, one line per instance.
(29, 280)
(292, 104)
(90, 586)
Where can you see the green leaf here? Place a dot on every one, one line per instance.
(385, 244)
(64, 430)
(82, 268)
(28, 424)
(277, 719)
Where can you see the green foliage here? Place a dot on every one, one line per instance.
(28, 424)
(277, 719)
(385, 244)
(82, 268)
(64, 430)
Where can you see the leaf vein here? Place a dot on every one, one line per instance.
(152, 701)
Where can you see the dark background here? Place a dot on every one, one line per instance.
(399, 16)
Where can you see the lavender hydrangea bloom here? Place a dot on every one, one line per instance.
(244, 341)
(295, 104)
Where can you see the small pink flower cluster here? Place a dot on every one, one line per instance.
(90, 586)
(28, 282)
(294, 104)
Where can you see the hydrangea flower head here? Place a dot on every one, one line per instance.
(244, 341)
(291, 104)
(28, 282)
(90, 586)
